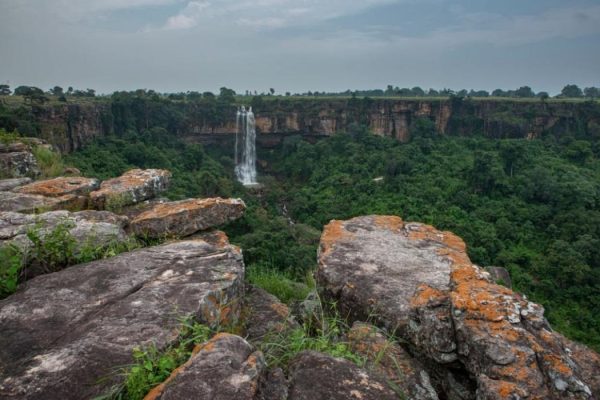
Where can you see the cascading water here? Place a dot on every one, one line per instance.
(245, 147)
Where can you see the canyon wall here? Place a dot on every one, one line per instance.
(69, 127)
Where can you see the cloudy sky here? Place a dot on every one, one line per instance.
(299, 45)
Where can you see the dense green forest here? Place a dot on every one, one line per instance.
(530, 206)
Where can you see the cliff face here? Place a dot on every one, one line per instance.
(69, 127)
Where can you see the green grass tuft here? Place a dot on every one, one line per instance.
(278, 283)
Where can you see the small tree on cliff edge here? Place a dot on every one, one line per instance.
(571, 91)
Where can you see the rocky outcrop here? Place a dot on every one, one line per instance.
(224, 368)
(185, 217)
(16, 162)
(418, 282)
(130, 188)
(500, 276)
(60, 187)
(316, 375)
(63, 334)
(391, 361)
(9, 184)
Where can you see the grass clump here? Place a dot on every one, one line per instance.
(152, 366)
(9, 137)
(279, 349)
(278, 283)
(11, 263)
(50, 163)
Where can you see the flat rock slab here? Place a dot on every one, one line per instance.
(29, 203)
(186, 217)
(132, 187)
(65, 335)
(373, 265)
(10, 184)
(61, 186)
(224, 368)
(316, 375)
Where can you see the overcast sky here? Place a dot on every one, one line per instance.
(299, 45)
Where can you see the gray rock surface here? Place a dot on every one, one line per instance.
(500, 276)
(316, 375)
(61, 186)
(64, 335)
(185, 217)
(132, 187)
(18, 164)
(392, 362)
(28, 203)
(9, 184)
(224, 368)
(265, 315)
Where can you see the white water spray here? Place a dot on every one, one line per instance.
(245, 147)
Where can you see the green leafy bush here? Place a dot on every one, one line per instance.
(11, 263)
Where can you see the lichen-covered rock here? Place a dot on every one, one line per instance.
(419, 282)
(29, 203)
(391, 361)
(371, 266)
(61, 186)
(10, 184)
(65, 334)
(265, 315)
(130, 188)
(18, 164)
(224, 368)
(316, 375)
(273, 386)
(185, 217)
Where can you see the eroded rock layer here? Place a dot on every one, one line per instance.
(64, 334)
(419, 283)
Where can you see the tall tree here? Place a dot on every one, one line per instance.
(572, 91)
(4, 90)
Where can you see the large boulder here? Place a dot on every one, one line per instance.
(418, 282)
(130, 188)
(185, 217)
(65, 335)
(61, 186)
(224, 368)
(314, 375)
(10, 184)
(17, 161)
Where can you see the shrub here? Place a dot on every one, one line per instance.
(11, 263)
(278, 283)
(49, 162)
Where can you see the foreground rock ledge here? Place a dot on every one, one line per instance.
(419, 282)
(185, 217)
(63, 332)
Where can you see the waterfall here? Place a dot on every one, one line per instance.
(245, 147)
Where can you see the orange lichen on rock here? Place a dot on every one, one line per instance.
(164, 209)
(60, 186)
(281, 309)
(428, 232)
(333, 232)
(389, 222)
(425, 295)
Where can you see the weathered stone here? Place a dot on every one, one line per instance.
(87, 228)
(420, 283)
(61, 186)
(310, 310)
(371, 267)
(265, 315)
(13, 147)
(273, 386)
(224, 368)
(391, 361)
(185, 217)
(9, 184)
(64, 334)
(28, 203)
(500, 275)
(18, 164)
(316, 375)
(132, 187)
(72, 171)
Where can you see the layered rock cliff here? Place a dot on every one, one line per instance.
(69, 127)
